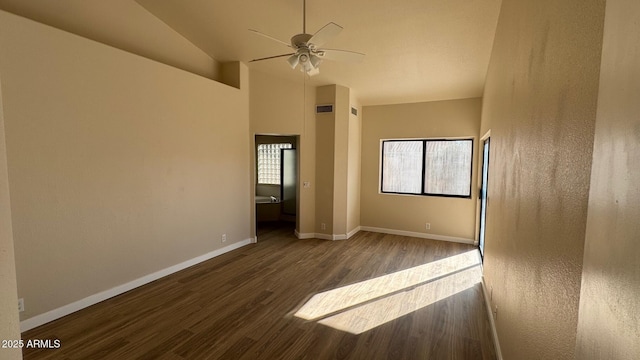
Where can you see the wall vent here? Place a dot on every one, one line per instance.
(324, 109)
(354, 111)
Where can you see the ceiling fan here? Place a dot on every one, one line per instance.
(307, 52)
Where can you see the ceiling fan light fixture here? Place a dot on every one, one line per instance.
(293, 60)
(307, 61)
(306, 67)
(315, 61)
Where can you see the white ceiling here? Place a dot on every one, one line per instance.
(416, 50)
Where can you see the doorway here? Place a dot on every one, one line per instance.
(276, 182)
(483, 193)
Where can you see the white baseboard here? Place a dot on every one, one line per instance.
(65, 310)
(492, 322)
(418, 235)
(304, 235)
(314, 236)
(353, 232)
(327, 236)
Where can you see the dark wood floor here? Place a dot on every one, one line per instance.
(241, 305)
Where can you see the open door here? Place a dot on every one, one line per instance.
(289, 181)
(483, 194)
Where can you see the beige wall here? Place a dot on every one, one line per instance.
(123, 24)
(609, 317)
(540, 104)
(9, 320)
(118, 166)
(338, 164)
(354, 161)
(454, 217)
(325, 157)
(340, 160)
(283, 107)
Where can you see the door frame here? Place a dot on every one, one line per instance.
(254, 179)
(481, 162)
(282, 182)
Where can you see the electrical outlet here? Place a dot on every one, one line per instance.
(224, 238)
(428, 226)
(323, 226)
(495, 313)
(21, 305)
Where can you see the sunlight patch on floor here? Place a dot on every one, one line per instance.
(376, 313)
(342, 298)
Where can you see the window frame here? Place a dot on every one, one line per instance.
(424, 168)
(258, 160)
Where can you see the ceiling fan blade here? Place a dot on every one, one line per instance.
(340, 55)
(325, 34)
(270, 37)
(272, 57)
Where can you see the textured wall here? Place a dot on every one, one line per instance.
(9, 324)
(609, 320)
(448, 216)
(540, 104)
(118, 166)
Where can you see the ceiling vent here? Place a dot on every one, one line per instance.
(320, 109)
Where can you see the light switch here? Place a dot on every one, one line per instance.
(306, 184)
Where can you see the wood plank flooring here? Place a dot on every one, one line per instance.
(243, 305)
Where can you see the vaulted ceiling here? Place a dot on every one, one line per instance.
(416, 50)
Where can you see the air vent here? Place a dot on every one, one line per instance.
(324, 109)
(354, 111)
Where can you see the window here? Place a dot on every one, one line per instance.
(269, 163)
(427, 167)
(402, 166)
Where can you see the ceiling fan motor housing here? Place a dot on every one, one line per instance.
(300, 40)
